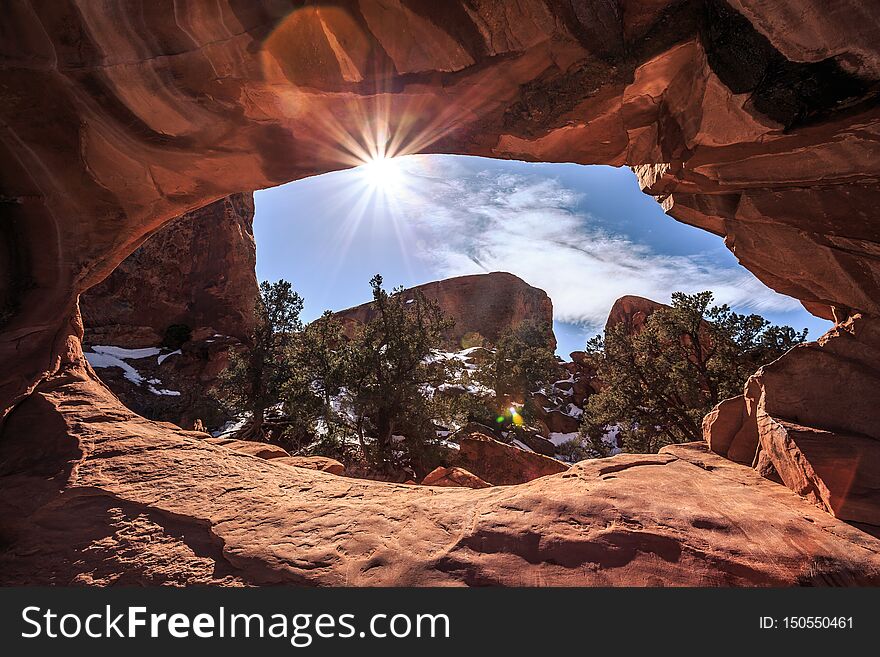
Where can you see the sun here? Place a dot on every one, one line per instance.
(381, 172)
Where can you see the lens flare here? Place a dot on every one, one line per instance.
(516, 417)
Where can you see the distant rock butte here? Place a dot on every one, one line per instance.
(632, 312)
(483, 306)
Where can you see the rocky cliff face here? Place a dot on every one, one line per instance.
(197, 272)
(754, 120)
(483, 307)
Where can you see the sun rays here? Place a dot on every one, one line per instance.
(383, 173)
(349, 105)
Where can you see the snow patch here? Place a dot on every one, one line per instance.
(559, 438)
(162, 358)
(102, 356)
(521, 445)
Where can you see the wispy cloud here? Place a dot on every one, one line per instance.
(467, 222)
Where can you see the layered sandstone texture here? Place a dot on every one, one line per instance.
(482, 307)
(755, 120)
(809, 419)
(102, 496)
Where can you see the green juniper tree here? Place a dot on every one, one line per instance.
(322, 360)
(256, 375)
(389, 375)
(523, 362)
(660, 381)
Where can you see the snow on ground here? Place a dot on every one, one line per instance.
(559, 438)
(521, 445)
(610, 439)
(122, 352)
(102, 356)
(232, 427)
(164, 391)
(162, 357)
(99, 360)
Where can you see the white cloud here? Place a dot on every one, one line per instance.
(469, 223)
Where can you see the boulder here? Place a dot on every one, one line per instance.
(800, 421)
(730, 430)
(322, 463)
(501, 464)
(260, 450)
(840, 472)
(559, 422)
(541, 427)
(453, 477)
(474, 427)
(583, 388)
(539, 444)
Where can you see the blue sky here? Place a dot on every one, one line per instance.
(584, 234)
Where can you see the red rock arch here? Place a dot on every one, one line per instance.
(757, 121)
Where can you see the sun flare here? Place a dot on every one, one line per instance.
(382, 172)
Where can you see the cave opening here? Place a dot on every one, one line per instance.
(585, 234)
(748, 120)
(160, 328)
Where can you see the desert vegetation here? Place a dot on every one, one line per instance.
(387, 399)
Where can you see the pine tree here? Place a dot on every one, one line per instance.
(390, 373)
(255, 376)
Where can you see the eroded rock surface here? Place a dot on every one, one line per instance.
(192, 282)
(198, 271)
(813, 415)
(453, 476)
(755, 120)
(98, 495)
(321, 463)
(740, 118)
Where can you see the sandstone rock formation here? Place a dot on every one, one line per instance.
(501, 464)
(198, 271)
(799, 418)
(559, 422)
(99, 495)
(483, 306)
(456, 477)
(632, 312)
(754, 120)
(321, 463)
